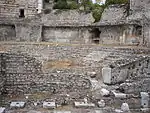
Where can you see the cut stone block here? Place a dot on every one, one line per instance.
(104, 92)
(106, 74)
(17, 104)
(119, 95)
(50, 105)
(2, 110)
(83, 104)
(125, 107)
(144, 99)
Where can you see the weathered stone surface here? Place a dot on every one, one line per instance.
(83, 104)
(51, 105)
(17, 104)
(125, 107)
(2, 110)
(107, 75)
(144, 99)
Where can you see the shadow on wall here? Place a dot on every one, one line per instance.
(95, 35)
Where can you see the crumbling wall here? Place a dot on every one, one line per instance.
(24, 75)
(139, 5)
(7, 32)
(132, 74)
(11, 8)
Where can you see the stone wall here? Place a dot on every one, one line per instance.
(24, 75)
(111, 34)
(114, 15)
(128, 70)
(28, 32)
(138, 5)
(2, 73)
(11, 8)
(66, 34)
(7, 32)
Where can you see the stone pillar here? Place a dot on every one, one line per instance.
(107, 75)
(40, 6)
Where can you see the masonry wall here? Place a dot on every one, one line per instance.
(7, 32)
(111, 34)
(10, 8)
(138, 5)
(146, 35)
(28, 32)
(134, 75)
(23, 74)
(66, 34)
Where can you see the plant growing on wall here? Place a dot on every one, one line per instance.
(61, 4)
(110, 2)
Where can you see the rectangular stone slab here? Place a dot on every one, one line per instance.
(83, 104)
(18, 104)
(49, 105)
(2, 110)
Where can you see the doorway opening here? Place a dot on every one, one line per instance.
(21, 13)
(96, 35)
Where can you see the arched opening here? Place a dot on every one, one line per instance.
(95, 35)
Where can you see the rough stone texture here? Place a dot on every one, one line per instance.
(67, 18)
(66, 35)
(114, 15)
(10, 8)
(63, 72)
(7, 32)
(111, 34)
(24, 75)
(28, 32)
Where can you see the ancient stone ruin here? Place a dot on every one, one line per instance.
(54, 61)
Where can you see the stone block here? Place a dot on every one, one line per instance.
(83, 104)
(104, 92)
(106, 74)
(119, 95)
(144, 99)
(125, 107)
(18, 104)
(2, 110)
(50, 105)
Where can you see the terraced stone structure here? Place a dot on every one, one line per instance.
(60, 57)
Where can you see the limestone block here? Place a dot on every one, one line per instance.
(106, 74)
(83, 104)
(104, 92)
(125, 107)
(51, 105)
(122, 75)
(120, 95)
(2, 110)
(144, 99)
(18, 104)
